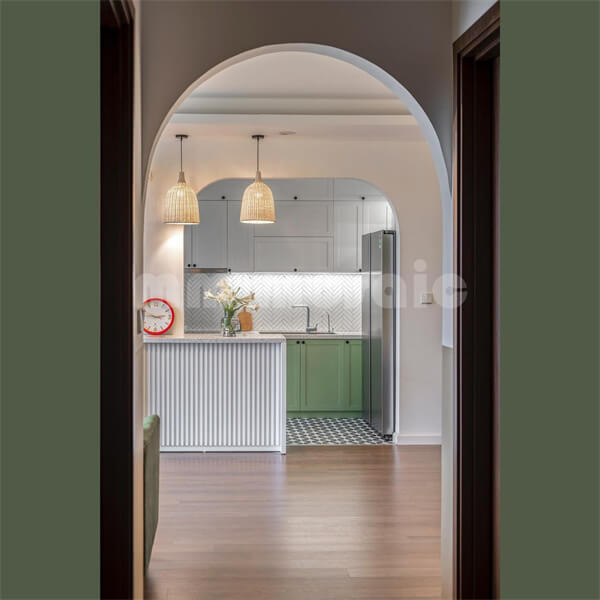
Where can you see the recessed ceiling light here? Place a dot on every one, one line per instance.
(287, 132)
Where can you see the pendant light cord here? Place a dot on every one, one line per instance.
(181, 154)
(257, 152)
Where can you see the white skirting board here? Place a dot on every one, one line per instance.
(403, 439)
(218, 397)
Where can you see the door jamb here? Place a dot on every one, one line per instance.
(116, 301)
(476, 320)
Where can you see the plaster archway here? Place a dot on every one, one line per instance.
(396, 88)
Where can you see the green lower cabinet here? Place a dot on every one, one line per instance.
(293, 375)
(354, 377)
(324, 378)
(324, 372)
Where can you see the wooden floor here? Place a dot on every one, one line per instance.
(322, 523)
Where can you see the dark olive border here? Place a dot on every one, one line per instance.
(549, 450)
(50, 304)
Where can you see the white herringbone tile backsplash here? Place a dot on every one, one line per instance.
(338, 294)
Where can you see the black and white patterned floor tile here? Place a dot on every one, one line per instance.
(332, 432)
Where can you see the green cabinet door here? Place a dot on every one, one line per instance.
(323, 375)
(354, 375)
(293, 374)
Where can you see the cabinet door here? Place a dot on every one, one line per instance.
(280, 254)
(311, 190)
(240, 240)
(187, 246)
(293, 375)
(389, 217)
(225, 189)
(354, 374)
(209, 237)
(374, 214)
(347, 236)
(298, 218)
(323, 375)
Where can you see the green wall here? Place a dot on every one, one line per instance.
(549, 303)
(50, 305)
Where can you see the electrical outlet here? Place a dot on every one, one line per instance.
(427, 298)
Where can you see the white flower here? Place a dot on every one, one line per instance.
(230, 298)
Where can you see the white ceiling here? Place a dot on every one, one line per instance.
(293, 75)
(315, 96)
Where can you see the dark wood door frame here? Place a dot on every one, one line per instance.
(476, 231)
(116, 272)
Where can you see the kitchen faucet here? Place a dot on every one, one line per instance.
(329, 327)
(309, 329)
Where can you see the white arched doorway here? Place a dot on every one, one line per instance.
(170, 245)
(386, 148)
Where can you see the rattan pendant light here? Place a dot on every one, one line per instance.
(258, 205)
(181, 207)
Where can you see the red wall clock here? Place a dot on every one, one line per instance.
(158, 316)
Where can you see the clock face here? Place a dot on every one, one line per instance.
(158, 316)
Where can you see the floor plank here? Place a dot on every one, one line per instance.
(322, 523)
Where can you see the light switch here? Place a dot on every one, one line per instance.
(427, 298)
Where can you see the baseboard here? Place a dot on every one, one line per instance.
(293, 414)
(403, 439)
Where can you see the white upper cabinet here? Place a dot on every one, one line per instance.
(319, 226)
(347, 236)
(389, 217)
(226, 189)
(311, 190)
(301, 254)
(353, 188)
(240, 240)
(375, 213)
(307, 190)
(299, 218)
(206, 243)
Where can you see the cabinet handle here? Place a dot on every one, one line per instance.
(298, 341)
(229, 270)
(189, 265)
(295, 197)
(222, 197)
(362, 198)
(360, 270)
(303, 341)
(295, 269)
(347, 341)
(194, 265)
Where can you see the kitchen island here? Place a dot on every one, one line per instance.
(217, 394)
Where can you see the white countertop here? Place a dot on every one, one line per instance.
(249, 337)
(252, 337)
(320, 335)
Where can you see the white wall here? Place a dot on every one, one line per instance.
(466, 12)
(410, 40)
(404, 172)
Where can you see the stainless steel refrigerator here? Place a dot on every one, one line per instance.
(378, 329)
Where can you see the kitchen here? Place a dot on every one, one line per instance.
(310, 275)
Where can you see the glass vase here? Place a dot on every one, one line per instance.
(228, 323)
